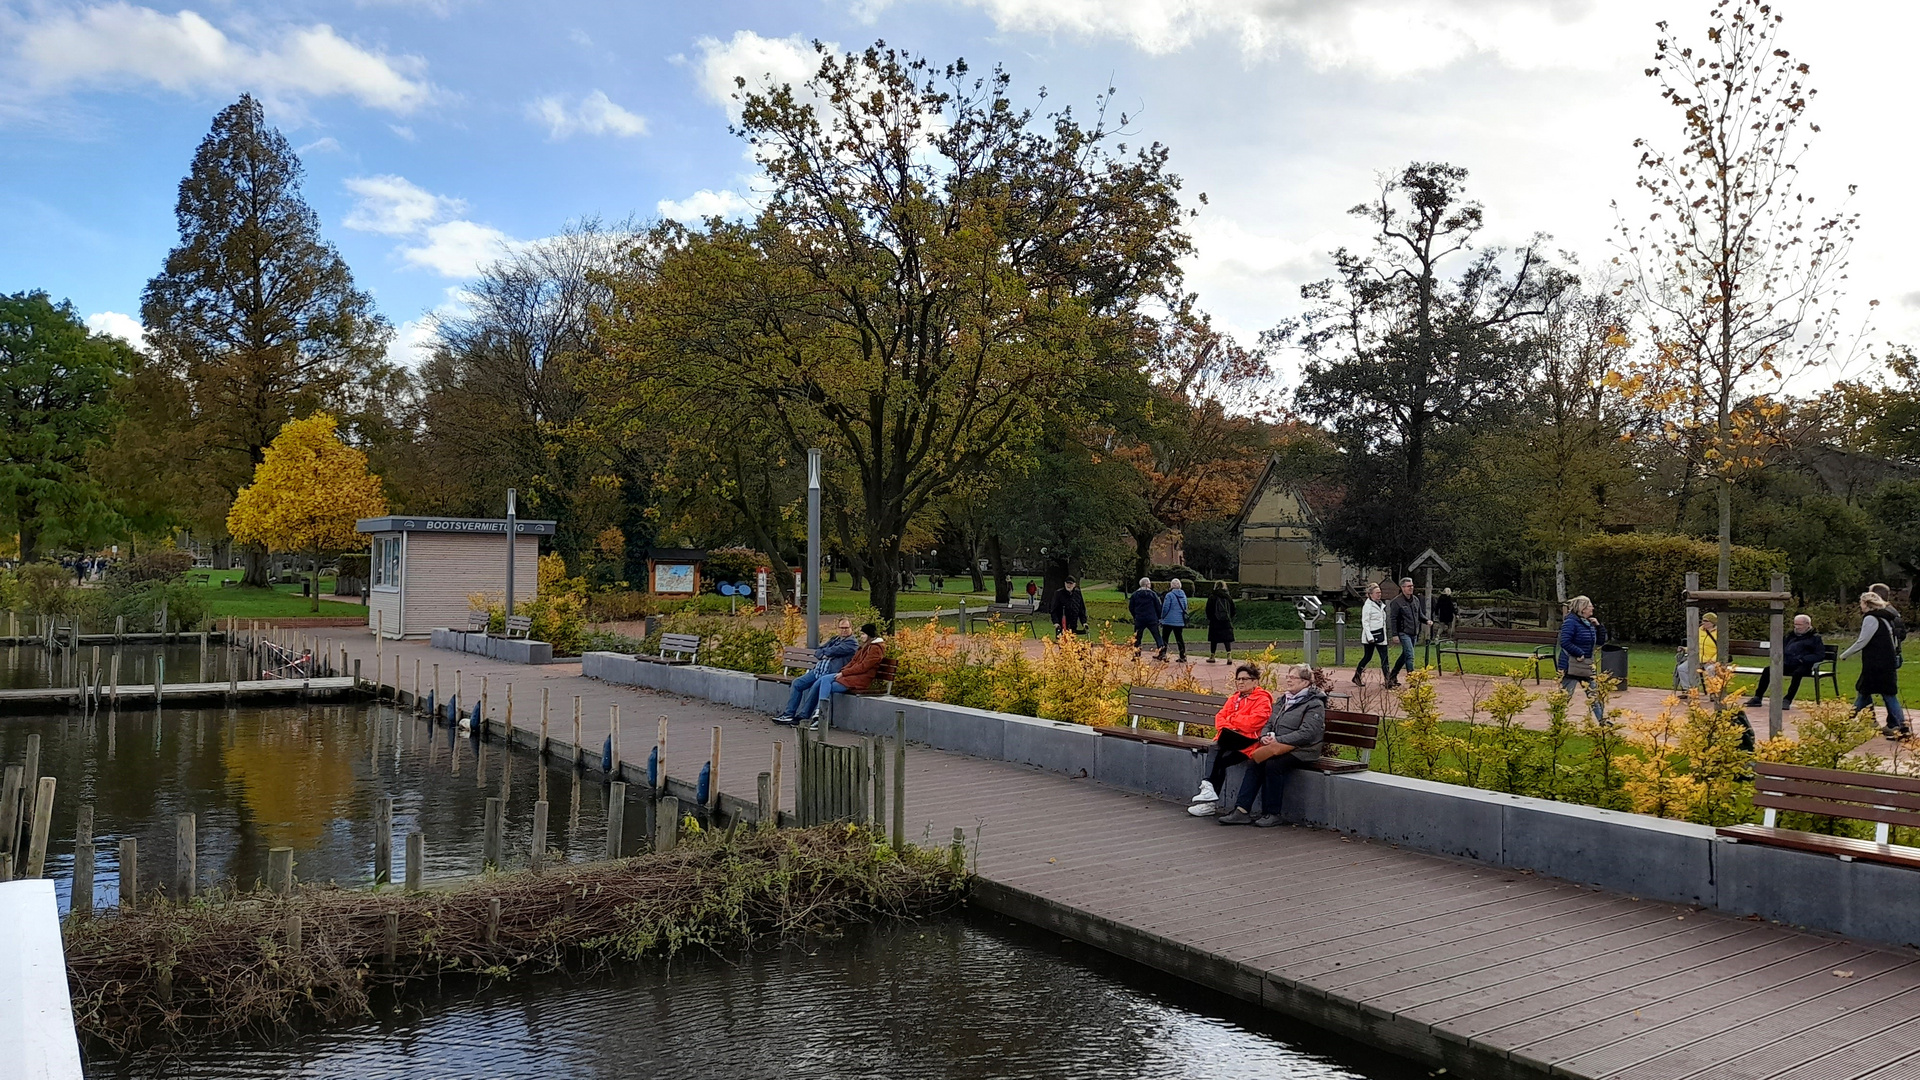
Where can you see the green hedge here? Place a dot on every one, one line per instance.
(1635, 581)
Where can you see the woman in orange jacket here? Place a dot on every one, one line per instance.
(1238, 723)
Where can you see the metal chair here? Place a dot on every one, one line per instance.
(1827, 668)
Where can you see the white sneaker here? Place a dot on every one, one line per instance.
(1207, 794)
(1202, 809)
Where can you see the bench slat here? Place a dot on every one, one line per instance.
(1868, 799)
(1515, 637)
(1828, 808)
(1864, 850)
(1784, 771)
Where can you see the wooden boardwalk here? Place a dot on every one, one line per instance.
(142, 694)
(1490, 972)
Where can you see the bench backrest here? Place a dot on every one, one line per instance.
(1356, 729)
(680, 644)
(477, 621)
(883, 675)
(1516, 637)
(1843, 793)
(519, 625)
(796, 656)
(1745, 648)
(1179, 707)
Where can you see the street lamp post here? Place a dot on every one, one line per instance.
(813, 548)
(512, 536)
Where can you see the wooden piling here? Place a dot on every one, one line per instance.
(509, 720)
(82, 892)
(42, 824)
(546, 693)
(129, 873)
(383, 840)
(763, 800)
(10, 809)
(613, 740)
(416, 685)
(438, 701)
(113, 694)
(899, 780)
(391, 940)
(877, 757)
(957, 855)
(356, 674)
(416, 859)
(480, 729)
(490, 859)
(293, 935)
(713, 772)
(660, 757)
(159, 679)
(493, 921)
(578, 753)
(773, 786)
(666, 826)
(203, 656)
(29, 787)
(185, 876)
(280, 870)
(539, 848)
(616, 818)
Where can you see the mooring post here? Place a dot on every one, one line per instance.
(356, 675)
(899, 780)
(42, 824)
(280, 871)
(113, 695)
(546, 694)
(509, 714)
(763, 800)
(416, 858)
(184, 876)
(119, 628)
(416, 686)
(10, 810)
(538, 862)
(616, 817)
(493, 921)
(293, 935)
(379, 639)
(773, 786)
(480, 725)
(666, 826)
(490, 858)
(713, 773)
(129, 873)
(578, 754)
(957, 855)
(877, 755)
(82, 892)
(660, 758)
(383, 840)
(203, 656)
(437, 699)
(453, 707)
(391, 943)
(613, 741)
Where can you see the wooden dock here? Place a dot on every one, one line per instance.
(1485, 971)
(246, 690)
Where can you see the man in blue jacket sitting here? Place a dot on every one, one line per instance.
(832, 655)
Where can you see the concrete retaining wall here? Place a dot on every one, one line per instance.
(512, 650)
(1629, 853)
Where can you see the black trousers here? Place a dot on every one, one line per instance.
(1373, 648)
(1766, 679)
(1174, 635)
(1228, 750)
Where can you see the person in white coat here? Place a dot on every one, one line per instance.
(1373, 634)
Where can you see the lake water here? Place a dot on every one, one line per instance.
(955, 999)
(305, 777)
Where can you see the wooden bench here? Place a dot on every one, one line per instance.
(1858, 796)
(1472, 641)
(202, 578)
(1827, 668)
(1016, 614)
(883, 677)
(674, 649)
(1183, 709)
(794, 662)
(519, 626)
(478, 622)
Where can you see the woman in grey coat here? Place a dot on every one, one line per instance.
(1292, 738)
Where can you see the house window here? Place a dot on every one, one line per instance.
(386, 562)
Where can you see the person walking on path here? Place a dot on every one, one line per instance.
(828, 659)
(1031, 589)
(1445, 610)
(1173, 619)
(1144, 606)
(1290, 740)
(1803, 651)
(1373, 635)
(1878, 647)
(1578, 655)
(1069, 610)
(1238, 725)
(1406, 614)
(1219, 621)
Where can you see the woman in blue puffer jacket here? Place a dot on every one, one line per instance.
(1577, 658)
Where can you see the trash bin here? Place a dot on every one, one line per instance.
(1613, 662)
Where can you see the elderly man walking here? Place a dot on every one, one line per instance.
(1144, 606)
(1406, 614)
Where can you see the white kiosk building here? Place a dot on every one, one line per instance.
(424, 569)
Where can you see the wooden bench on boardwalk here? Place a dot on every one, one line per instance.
(1473, 641)
(1184, 709)
(1016, 614)
(794, 662)
(674, 649)
(1841, 793)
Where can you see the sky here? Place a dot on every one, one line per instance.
(437, 133)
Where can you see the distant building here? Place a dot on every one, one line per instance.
(1280, 547)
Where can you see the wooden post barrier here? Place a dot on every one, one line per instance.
(416, 859)
(129, 873)
(509, 715)
(546, 694)
(666, 826)
(899, 780)
(773, 787)
(82, 893)
(616, 818)
(713, 773)
(613, 741)
(578, 753)
(763, 801)
(42, 824)
(10, 811)
(383, 841)
(660, 758)
(490, 859)
(185, 876)
(493, 921)
(280, 871)
(538, 861)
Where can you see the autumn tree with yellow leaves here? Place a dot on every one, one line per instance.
(307, 494)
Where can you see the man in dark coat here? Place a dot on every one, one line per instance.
(1069, 610)
(1144, 606)
(1444, 612)
(1406, 614)
(1803, 651)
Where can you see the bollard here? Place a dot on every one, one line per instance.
(82, 892)
(616, 818)
(383, 841)
(1340, 638)
(280, 871)
(416, 858)
(539, 852)
(42, 824)
(129, 873)
(666, 826)
(185, 879)
(490, 859)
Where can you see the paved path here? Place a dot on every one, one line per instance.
(1492, 972)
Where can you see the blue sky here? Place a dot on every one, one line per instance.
(434, 132)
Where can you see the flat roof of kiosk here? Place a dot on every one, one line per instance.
(480, 526)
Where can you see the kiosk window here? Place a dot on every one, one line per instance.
(386, 562)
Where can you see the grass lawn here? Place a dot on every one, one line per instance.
(278, 602)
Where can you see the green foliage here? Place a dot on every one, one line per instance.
(1829, 736)
(730, 564)
(1511, 760)
(47, 589)
(1635, 580)
(163, 564)
(733, 642)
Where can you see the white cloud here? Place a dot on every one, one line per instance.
(594, 114)
(458, 249)
(707, 203)
(116, 45)
(324, 145)
(762, 62)
(395, 206)
(125, 327)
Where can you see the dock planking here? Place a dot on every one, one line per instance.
(1490, 971)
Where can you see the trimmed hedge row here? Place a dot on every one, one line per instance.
(1635, 581)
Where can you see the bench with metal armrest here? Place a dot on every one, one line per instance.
(1359, 732)
(1474, 641)
(794, 662)
(674, 649)
(1839, 793)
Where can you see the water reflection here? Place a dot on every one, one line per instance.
(950, 999)
(305, 777)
